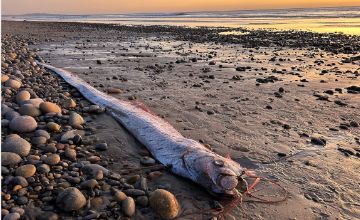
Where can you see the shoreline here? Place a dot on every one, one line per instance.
(332, 42)
(268, 107)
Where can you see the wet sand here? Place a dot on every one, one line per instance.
(265, 106)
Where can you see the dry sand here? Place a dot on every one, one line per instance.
(267, 127)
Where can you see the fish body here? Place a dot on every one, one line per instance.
(184, 157)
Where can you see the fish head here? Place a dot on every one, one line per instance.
(222, 175)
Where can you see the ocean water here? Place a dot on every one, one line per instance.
(326, 20)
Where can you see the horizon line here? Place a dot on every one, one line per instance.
(179, 12)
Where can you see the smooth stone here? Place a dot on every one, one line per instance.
(94, 171)
(128, 206)
(48, 216)
(26, 171)
(148, 161)
(71, 199)
(318, 141)
(14, 143)
(23, 124)
(101, 146)
(114, 90)
(5, 171)
(10, 115)
(76, 120)
(4, 78)
(35, 102)
(43, 168)
(5, 123)
(164, 203)
(38, 140)
(42, 133)
(69, 135)
(52, 126)
(52, 159)
(19, 180)
(70, 154)
(69, 103)
(142, 201)
(134, 192)
(18, 210)
(77, 139)
(9, 159)
(89, 184)
(119, 196)
(12, 83)
(22, 200)
(12, 216)
(22, 96)
(30, 110)
(5, 109)
(49, 107)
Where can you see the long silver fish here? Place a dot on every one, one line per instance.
(185, 157)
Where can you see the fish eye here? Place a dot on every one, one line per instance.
(219, 163)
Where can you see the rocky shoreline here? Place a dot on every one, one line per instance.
(284, 104)
(51, 165)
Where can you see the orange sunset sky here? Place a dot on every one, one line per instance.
(131, 6)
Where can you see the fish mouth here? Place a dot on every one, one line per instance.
(231, 186)
(227, 182)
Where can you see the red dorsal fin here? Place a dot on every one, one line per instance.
(141, 106)
(228, 156)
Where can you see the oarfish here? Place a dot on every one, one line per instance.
(184, 157)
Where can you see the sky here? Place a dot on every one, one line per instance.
(13, 7)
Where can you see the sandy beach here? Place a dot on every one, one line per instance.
(284, 104)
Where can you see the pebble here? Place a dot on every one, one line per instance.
(119, 196)
(318, 141)
(35, 102)
(12, 83)
(52, 159)
(77, 139)
(49, 107)
(22, 96)
(9, 159)
(4, 78)
(26, 171)
(69, 135)
(14, 143)
(69, 103)
(12, 216)
(19, 180)
(10, 115)
(23, 124)
(38, 140)
(128, 206)
(43, 168)
(71, 199)
(142, 201)
(148, 161)
(89, 184)
(52, 126)
(114, 90)
(164, 204)
(42, 133)
(30, 110)
(134, 192)
(101, 146)
(70, 154)
(5, 123)
(76, 120)
(94, 171)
